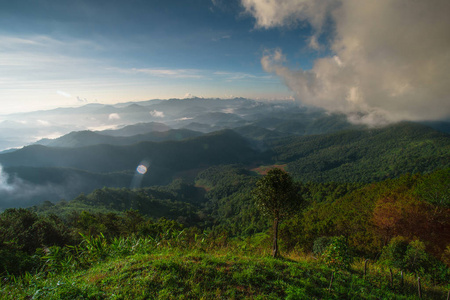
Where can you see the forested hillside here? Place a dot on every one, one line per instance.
(364, 155)
(400, 225)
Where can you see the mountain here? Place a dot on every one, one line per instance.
(364, 155)
(36, 173)
(89, 138)
(217, 148)
(258, 133)
(443, 126)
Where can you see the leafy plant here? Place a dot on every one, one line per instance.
(337, 254)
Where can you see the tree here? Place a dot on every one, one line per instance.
(276, 196)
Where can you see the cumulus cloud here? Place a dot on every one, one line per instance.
(157, 114)
(390, 57)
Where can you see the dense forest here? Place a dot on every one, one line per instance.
(398, 225)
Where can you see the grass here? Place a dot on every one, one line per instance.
(171, 273)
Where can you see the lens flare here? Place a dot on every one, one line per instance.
(141, 169)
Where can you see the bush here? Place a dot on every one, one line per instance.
(393, 253)
(412, 257)
(337, 254)
(320, 244)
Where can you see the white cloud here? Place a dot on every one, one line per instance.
(64, 94)
(4, 181)
(390, 62)
(172, 73)
(43, 123)
(189, 96)
(273, 13)
(228, 110)
(157, 114)
(232, 76)
(113, 117)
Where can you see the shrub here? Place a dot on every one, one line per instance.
(320, 244)
(337, 254)
(393, 253)
(412, 257)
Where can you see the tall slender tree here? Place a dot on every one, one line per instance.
(276, 196)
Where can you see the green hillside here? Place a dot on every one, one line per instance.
(364, 155)
(172, 273)
(210, 240)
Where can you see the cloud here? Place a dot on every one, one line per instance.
(64, 94)
(390, 58)
(223, 37)
(43, 123)
(157, 114)
(239, 76)
(228, 110)
(173, 73)
(273, 13)
(82, 100)
(4, 181)
(189, 96)
(17, 192)
(113, 117)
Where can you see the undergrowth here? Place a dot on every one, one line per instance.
(175, 266)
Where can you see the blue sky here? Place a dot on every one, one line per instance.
(66, 53)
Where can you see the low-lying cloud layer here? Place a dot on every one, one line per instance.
(15, 192)
(390, 58)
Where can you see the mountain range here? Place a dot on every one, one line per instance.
(180, 138)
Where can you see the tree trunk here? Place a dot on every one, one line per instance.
(275, 238)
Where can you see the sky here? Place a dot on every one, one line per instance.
(375, 61)
(59, 53)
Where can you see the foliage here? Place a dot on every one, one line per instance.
(173, 273)
(321, 244)
(364, 155)
(337, 255)
(275, 194)
(411, 256)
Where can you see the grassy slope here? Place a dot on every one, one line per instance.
(182, 274)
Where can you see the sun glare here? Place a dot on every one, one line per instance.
(141, 169)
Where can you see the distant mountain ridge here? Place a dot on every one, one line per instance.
(217, 148)
(90, 138)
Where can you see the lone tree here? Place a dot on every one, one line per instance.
(276, 196)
